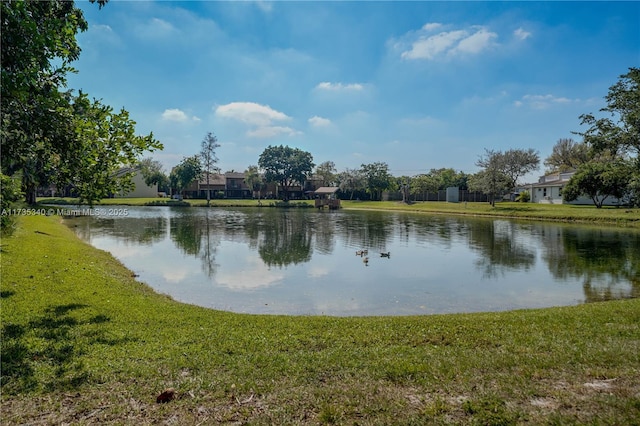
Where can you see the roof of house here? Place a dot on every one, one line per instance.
(214, 179)
(326, 190)
(234, 175)
(554, 179)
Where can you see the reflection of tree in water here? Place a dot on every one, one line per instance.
(498, 246)
(286, 239)
(370, 230)
(324, 231)
(144, 231)
(429, 228)
(196, 235)
(607, 260)
(209, 247)
(186, 233)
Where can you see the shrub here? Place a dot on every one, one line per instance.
(9, 194)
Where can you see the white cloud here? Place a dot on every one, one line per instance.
(430, 47)
(521, 34)
(177, 115)
(174, 115)
(251, 113)
(316, 121)
(472, 40)
(260, 117)
(102, 28)
(477, 42)
(155, 28)
(431, 26)
(543, 101)
(264, 6)
(325, 85)
(272, 131)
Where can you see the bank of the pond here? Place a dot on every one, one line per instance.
(84, 343)
(624, 217)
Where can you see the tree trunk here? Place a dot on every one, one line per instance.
(30, 194)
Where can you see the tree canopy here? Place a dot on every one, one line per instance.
(153, 173)
(620, 131)
(598, 181)
(615, 139)
(49, 135)
(286, 166)
(209, 159)
(350, 180)
(567, 155)
(377, 178)
(326, 171)
(186, 172)
(253, 179)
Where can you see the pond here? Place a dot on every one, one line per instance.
(303, 261)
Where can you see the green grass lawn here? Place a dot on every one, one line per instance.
(84, 343)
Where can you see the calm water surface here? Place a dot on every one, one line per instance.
(304, 262)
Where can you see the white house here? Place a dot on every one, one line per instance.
(140, 189)
(549, 190)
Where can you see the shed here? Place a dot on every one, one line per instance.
(327, 197)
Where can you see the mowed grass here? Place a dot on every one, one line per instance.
(84, 343)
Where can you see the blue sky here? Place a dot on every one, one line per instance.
(418, 85)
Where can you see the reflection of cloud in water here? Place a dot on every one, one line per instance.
(174, 275)
(254, 275)
(318, 271)
(124, 251)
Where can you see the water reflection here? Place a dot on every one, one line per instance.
(606, 261)
(500, 247)
(297, 261)
(286, 240)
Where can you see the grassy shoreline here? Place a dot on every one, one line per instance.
(623, 217)
(84, 343)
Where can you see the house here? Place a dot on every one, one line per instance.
(221, 185)
(140, 188)
(199, 188)
(548, 190)
(233, 185)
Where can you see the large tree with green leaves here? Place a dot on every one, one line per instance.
(516, 163)
(189, 170)
(46, 130)
(422, 184)
(617, 134)
(448, 177)
(286, 166)
(619, 130)
(567, 155)
(153, 173)
(502, 170)
(105, 141)
(491, 180)
(377, 179)
(326, 171)
(351, 180)
(254, 180)
(599, 181)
